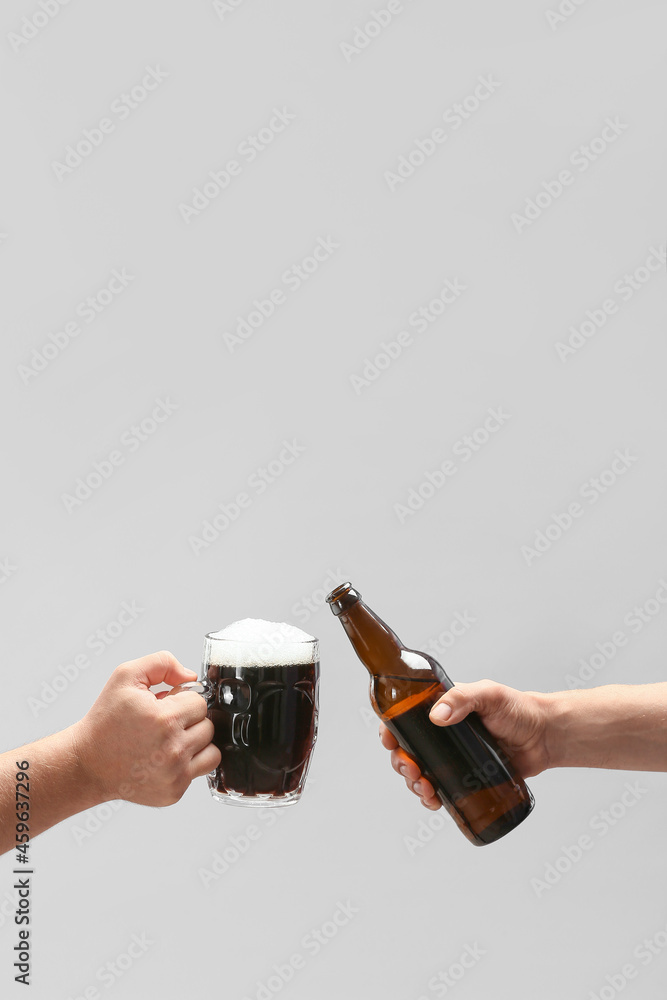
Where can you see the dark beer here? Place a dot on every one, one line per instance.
(265, 726)
(470, 774)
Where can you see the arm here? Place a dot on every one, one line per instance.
(132, 744)
(58, 785)
(616, 726)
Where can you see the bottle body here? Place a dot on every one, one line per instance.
(470, 774)
(472, 778)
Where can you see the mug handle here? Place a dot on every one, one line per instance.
(204, 688)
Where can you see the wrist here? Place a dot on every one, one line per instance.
(559, 716)
(87, 765)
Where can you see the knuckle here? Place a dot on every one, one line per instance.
(171, 720)
(175, 752)
(163, 657)
(202, 709)
(494, 692)
(455, 694)
(123, 671)
(125, 698)
(128, 706)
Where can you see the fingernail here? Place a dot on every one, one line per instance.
(418, 788)
(403, 770)
(441, 713)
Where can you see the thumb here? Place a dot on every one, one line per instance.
(160, 668)
(483, 697)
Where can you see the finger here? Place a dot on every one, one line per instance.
(187, 707)
(424, 789)
(204, 761)
(388, 740)
(405, 765)
(199, 736)
(484, 697)
(158, 668)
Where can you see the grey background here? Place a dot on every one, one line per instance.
(332, 511)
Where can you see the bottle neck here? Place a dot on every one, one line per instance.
(376, 645)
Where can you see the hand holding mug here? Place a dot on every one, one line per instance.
(141, 746)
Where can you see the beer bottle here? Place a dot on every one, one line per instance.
(471, 775)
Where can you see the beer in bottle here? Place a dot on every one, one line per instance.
(471, 775)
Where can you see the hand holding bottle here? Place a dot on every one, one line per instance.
(517, 719)
(615, 726)
(467, 770)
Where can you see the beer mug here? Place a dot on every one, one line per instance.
(262, 695)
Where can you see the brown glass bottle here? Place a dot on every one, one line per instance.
(471, 775)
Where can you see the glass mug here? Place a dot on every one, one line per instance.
(265, 716)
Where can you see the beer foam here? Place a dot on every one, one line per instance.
(254, 642)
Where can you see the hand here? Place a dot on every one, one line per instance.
(517, 719)
(143, 747)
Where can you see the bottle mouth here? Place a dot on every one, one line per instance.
(338, 592)
(342, 598)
